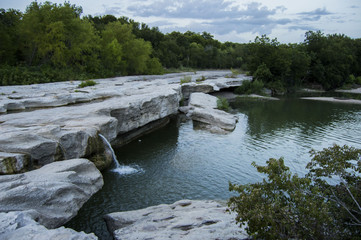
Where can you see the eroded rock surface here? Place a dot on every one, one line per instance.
(54, 193)
(57, 121)
(185, 219)
(22, 226)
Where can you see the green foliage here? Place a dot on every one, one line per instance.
(222, 104)
(201, 79)
(277, 87)
(263, 74)
(29, 75)
(249, 87)
(87, 83)
(54, 36)
(343, 166)
(358, 80)
(333, 58)
(234, 74)
(186, 79)
(286, 206)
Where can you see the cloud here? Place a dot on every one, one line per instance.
(314, 15)
(112, 10)
(215, 16)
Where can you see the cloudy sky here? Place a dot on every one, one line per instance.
(231, 20)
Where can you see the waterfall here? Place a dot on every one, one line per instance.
(121, 169)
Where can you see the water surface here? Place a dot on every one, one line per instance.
(180, 162)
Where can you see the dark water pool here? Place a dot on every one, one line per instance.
(180, 162)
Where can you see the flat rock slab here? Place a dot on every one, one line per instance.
(334, 100)
(22, 226)
(54, 192)
(203, 108)
(185, 219)
(57, 121)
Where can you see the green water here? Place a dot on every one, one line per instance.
(180, 162)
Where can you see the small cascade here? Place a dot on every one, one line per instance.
(121, 169)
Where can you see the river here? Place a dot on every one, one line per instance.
(180, 161)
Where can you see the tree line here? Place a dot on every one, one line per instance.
(52, 42)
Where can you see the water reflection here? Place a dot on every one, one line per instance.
(180, 162)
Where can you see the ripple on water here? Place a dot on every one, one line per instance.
(179, 162)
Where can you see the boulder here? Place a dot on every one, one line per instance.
(23, 226)
(185, 219)
(203, 109)
(54, 192)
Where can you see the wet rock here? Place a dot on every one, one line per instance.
(23, 226)
(185, 219)
(54, 192)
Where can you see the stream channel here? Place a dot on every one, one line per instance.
(180, 161)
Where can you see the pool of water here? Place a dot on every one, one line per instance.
(181, 162)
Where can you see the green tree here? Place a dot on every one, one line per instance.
(285, 206)
(333, 58)
(9, 37)
(54, 34)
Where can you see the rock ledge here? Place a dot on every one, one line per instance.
(185, 219)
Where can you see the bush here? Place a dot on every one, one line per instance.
(249, 87)
(285, 206)
(276, 87)
(222, 104)
(358, 80)
(263, 73)
(87, 83)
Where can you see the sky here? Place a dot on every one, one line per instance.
(230, 20)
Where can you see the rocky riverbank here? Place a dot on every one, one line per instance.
(46, 198)
(185, 219)
(46, 129)
(44, 123)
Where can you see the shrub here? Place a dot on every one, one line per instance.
(87, 83)
(358, 80)
(222, 104)
(276, 87)
(249, 87)
(285, 206)
(263, 73)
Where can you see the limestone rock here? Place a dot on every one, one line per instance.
(63, 121)
(22, 226)
(185, 219)
(13, 163)
(54, 192)
(204, 110)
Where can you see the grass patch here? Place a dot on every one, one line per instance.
(201, 79)
(87, 83)
(235, 73)
(223, 104)
(186, 79)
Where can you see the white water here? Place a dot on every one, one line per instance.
(120, 169)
